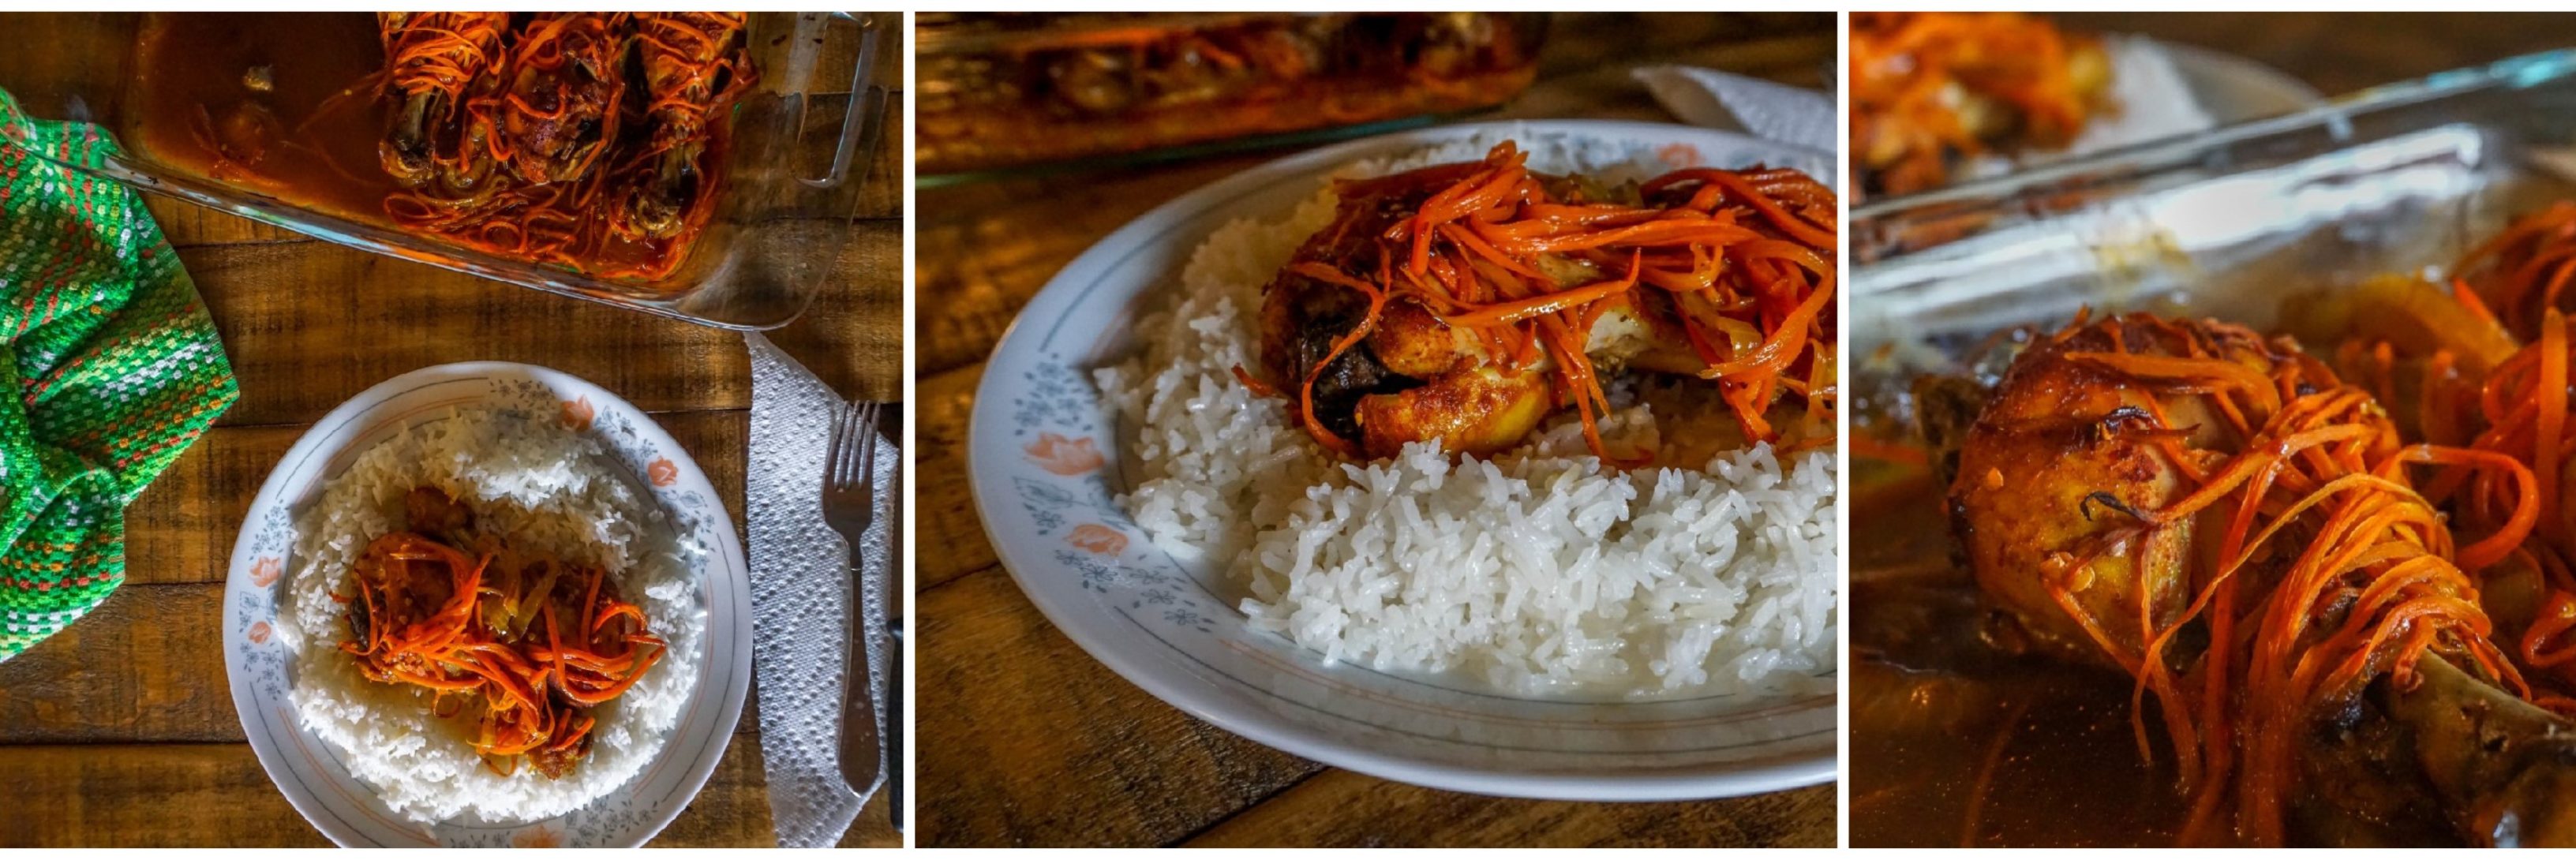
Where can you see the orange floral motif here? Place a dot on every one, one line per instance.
(264, 572)
(537, 837)
(1679, 155)
(1064, 456)
(1098, 539)
(259, 632)
(577, 413)
(662, 473)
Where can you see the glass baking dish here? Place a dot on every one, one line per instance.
(2396, 179)
(801, 141)
(1006, 90)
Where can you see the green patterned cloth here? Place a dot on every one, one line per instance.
(114, 362)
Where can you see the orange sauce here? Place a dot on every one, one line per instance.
(1967, 746)
(280, 103)
(290, 106)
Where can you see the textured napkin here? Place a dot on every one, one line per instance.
(2156, 101)
(1771, 111)
(112, 365)
(800, 600)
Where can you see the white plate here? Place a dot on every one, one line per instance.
(1045, 463)
(309, 771)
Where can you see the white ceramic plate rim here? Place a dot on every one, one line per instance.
(725, 566)
(1682, 783)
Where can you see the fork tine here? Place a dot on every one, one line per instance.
(851, 462)
(866, 438)
(854, 440)
(832, 450)
(851, 448)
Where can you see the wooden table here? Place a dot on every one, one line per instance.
(121, 732)
(2338, 52)
(1024, 739)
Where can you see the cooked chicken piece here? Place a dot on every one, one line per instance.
(567, 80)
(1417, 378)
(2054, 468)
(437, 62)
(2059, 496)
(692, 65)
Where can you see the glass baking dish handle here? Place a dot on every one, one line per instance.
(860, 129)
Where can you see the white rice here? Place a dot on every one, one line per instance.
(545, 489)
(1538, 571)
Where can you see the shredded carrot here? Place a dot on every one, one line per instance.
(530, 684)
(2316, 464)
(1750, 250)
(2520, 278)
(2523, 270)
(440, 51)
(576, 222)
(1254, 383)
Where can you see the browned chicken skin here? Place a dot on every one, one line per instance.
(1416, 378)
(2061, 463)
(561, 106)
(439, 61)
(691, 68)
(2047, 470)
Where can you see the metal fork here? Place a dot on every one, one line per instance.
(849, 507)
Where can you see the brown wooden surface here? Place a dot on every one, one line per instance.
(121, 730)
(2338, 52)
(1025, 740)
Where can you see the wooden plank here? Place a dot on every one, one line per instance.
(164, 795)
(1319, 813)
(145, 796)
(290, 313)
(1025, 740)
(188, 225)
(2342, 51)
(146, 666)
(181, 529)
(291, 316)
(1787, 46)
(983, 249)
(852, 337)
(944, 504)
